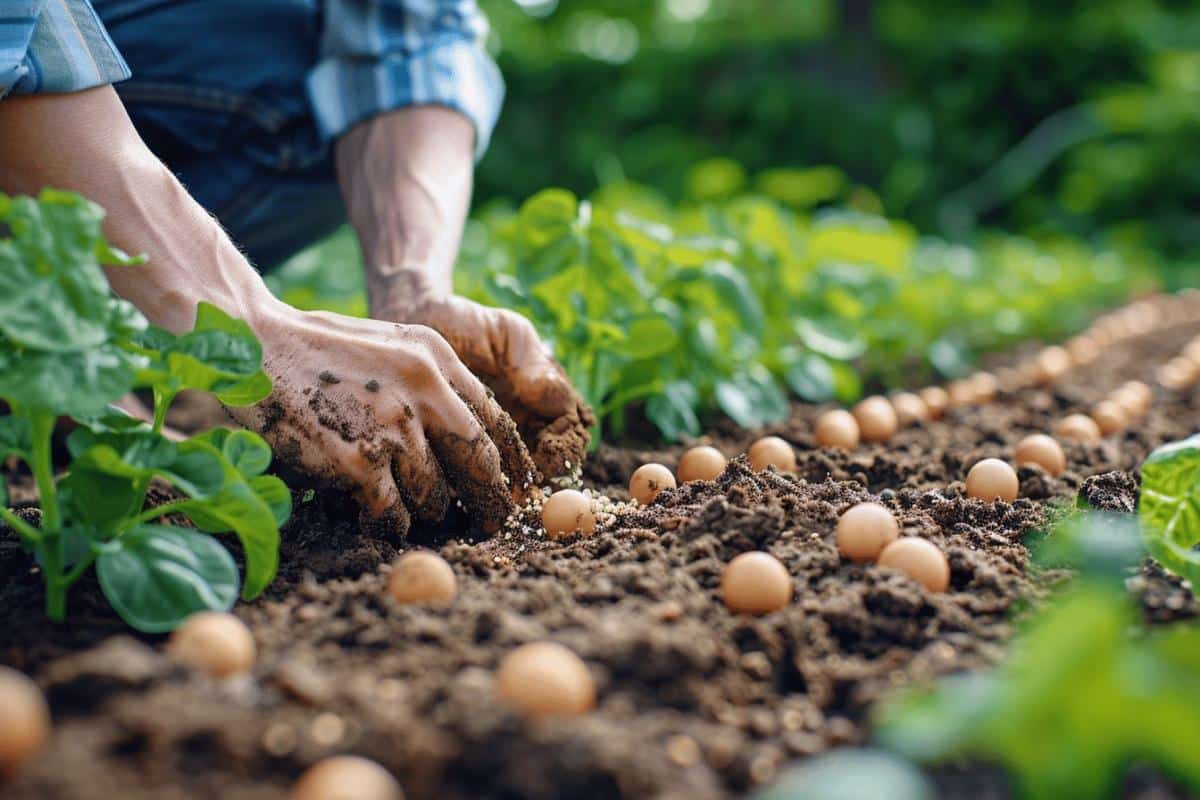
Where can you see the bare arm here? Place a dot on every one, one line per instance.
(384, 409)
(406, 176)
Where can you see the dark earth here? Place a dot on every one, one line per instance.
(695, 702)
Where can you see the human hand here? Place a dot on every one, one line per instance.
(388, 412)
(502, 348)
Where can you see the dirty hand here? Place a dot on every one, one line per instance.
(390, 413)
(504, 350)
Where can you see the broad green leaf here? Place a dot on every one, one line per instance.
(1096, 543)
(752, 399)
(156, 576)
(220, 355)
(673, 411)
(80, 384)
(830, 338)
(649, 337)
(851, 775)
(847, 384)
(246, 451)
(1169, 506)
(238, 508)
(812, 379)
(275, 493)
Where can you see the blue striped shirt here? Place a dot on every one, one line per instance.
(374, 56)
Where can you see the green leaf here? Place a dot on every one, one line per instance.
(1097, 543)
(812, 379)
(752, 399)
(830, 338)
(80, 384)
(238, 508)
(220, 355)
(673, 411)
(246, 451)
(274, 492)
(156, 576)
(1169, 506)
(649, 337)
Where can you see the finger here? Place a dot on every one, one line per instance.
(470, 461)
(538, 381)
(499, 426)
(359, 468)
(419, 477)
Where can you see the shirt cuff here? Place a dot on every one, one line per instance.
(452, 71)
(66, 49)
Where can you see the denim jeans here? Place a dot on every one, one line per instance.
(218, 94)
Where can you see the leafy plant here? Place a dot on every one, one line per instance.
(69, 348)
(1169, 507)
(724, 305)
(1083, 694)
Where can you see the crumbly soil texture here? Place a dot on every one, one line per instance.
(694, 702)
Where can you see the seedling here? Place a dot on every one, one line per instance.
(68, 348)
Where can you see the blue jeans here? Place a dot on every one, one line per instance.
(218, 94)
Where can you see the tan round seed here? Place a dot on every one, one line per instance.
(771, 451)
(936, 400)
(545, 679)
(1042, 450)
(920, 559)
(864, 530)
(1109, 417)
(346, 778)
(1083, 350)
(992, 479)
(566, 512)
(1077, 428)
(985, 385)
(702, 463)
(837, 428)
(961, 393)
(24, 721)
(876, 419)
(910, 408)
(755, 583)
(1050, 365)
(213, 642)
(648, 480)
(422, 576)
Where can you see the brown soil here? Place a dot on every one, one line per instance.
(694, 701)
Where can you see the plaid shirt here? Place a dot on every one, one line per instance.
(375, 55)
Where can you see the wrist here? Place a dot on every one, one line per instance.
(400, 292)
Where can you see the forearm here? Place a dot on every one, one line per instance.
(86, 142)
(406, 178)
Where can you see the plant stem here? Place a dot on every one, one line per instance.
(162, 401)
(30, 534)
(42, 430)
(154, 513)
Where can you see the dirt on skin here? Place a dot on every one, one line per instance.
(694, 702)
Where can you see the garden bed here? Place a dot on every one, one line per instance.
(693, 701)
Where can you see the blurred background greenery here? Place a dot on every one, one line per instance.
(1079, 116)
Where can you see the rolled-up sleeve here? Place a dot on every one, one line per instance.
(55, 46)
(379, 55)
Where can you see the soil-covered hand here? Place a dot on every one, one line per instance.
(389, 412)
(504, 350)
